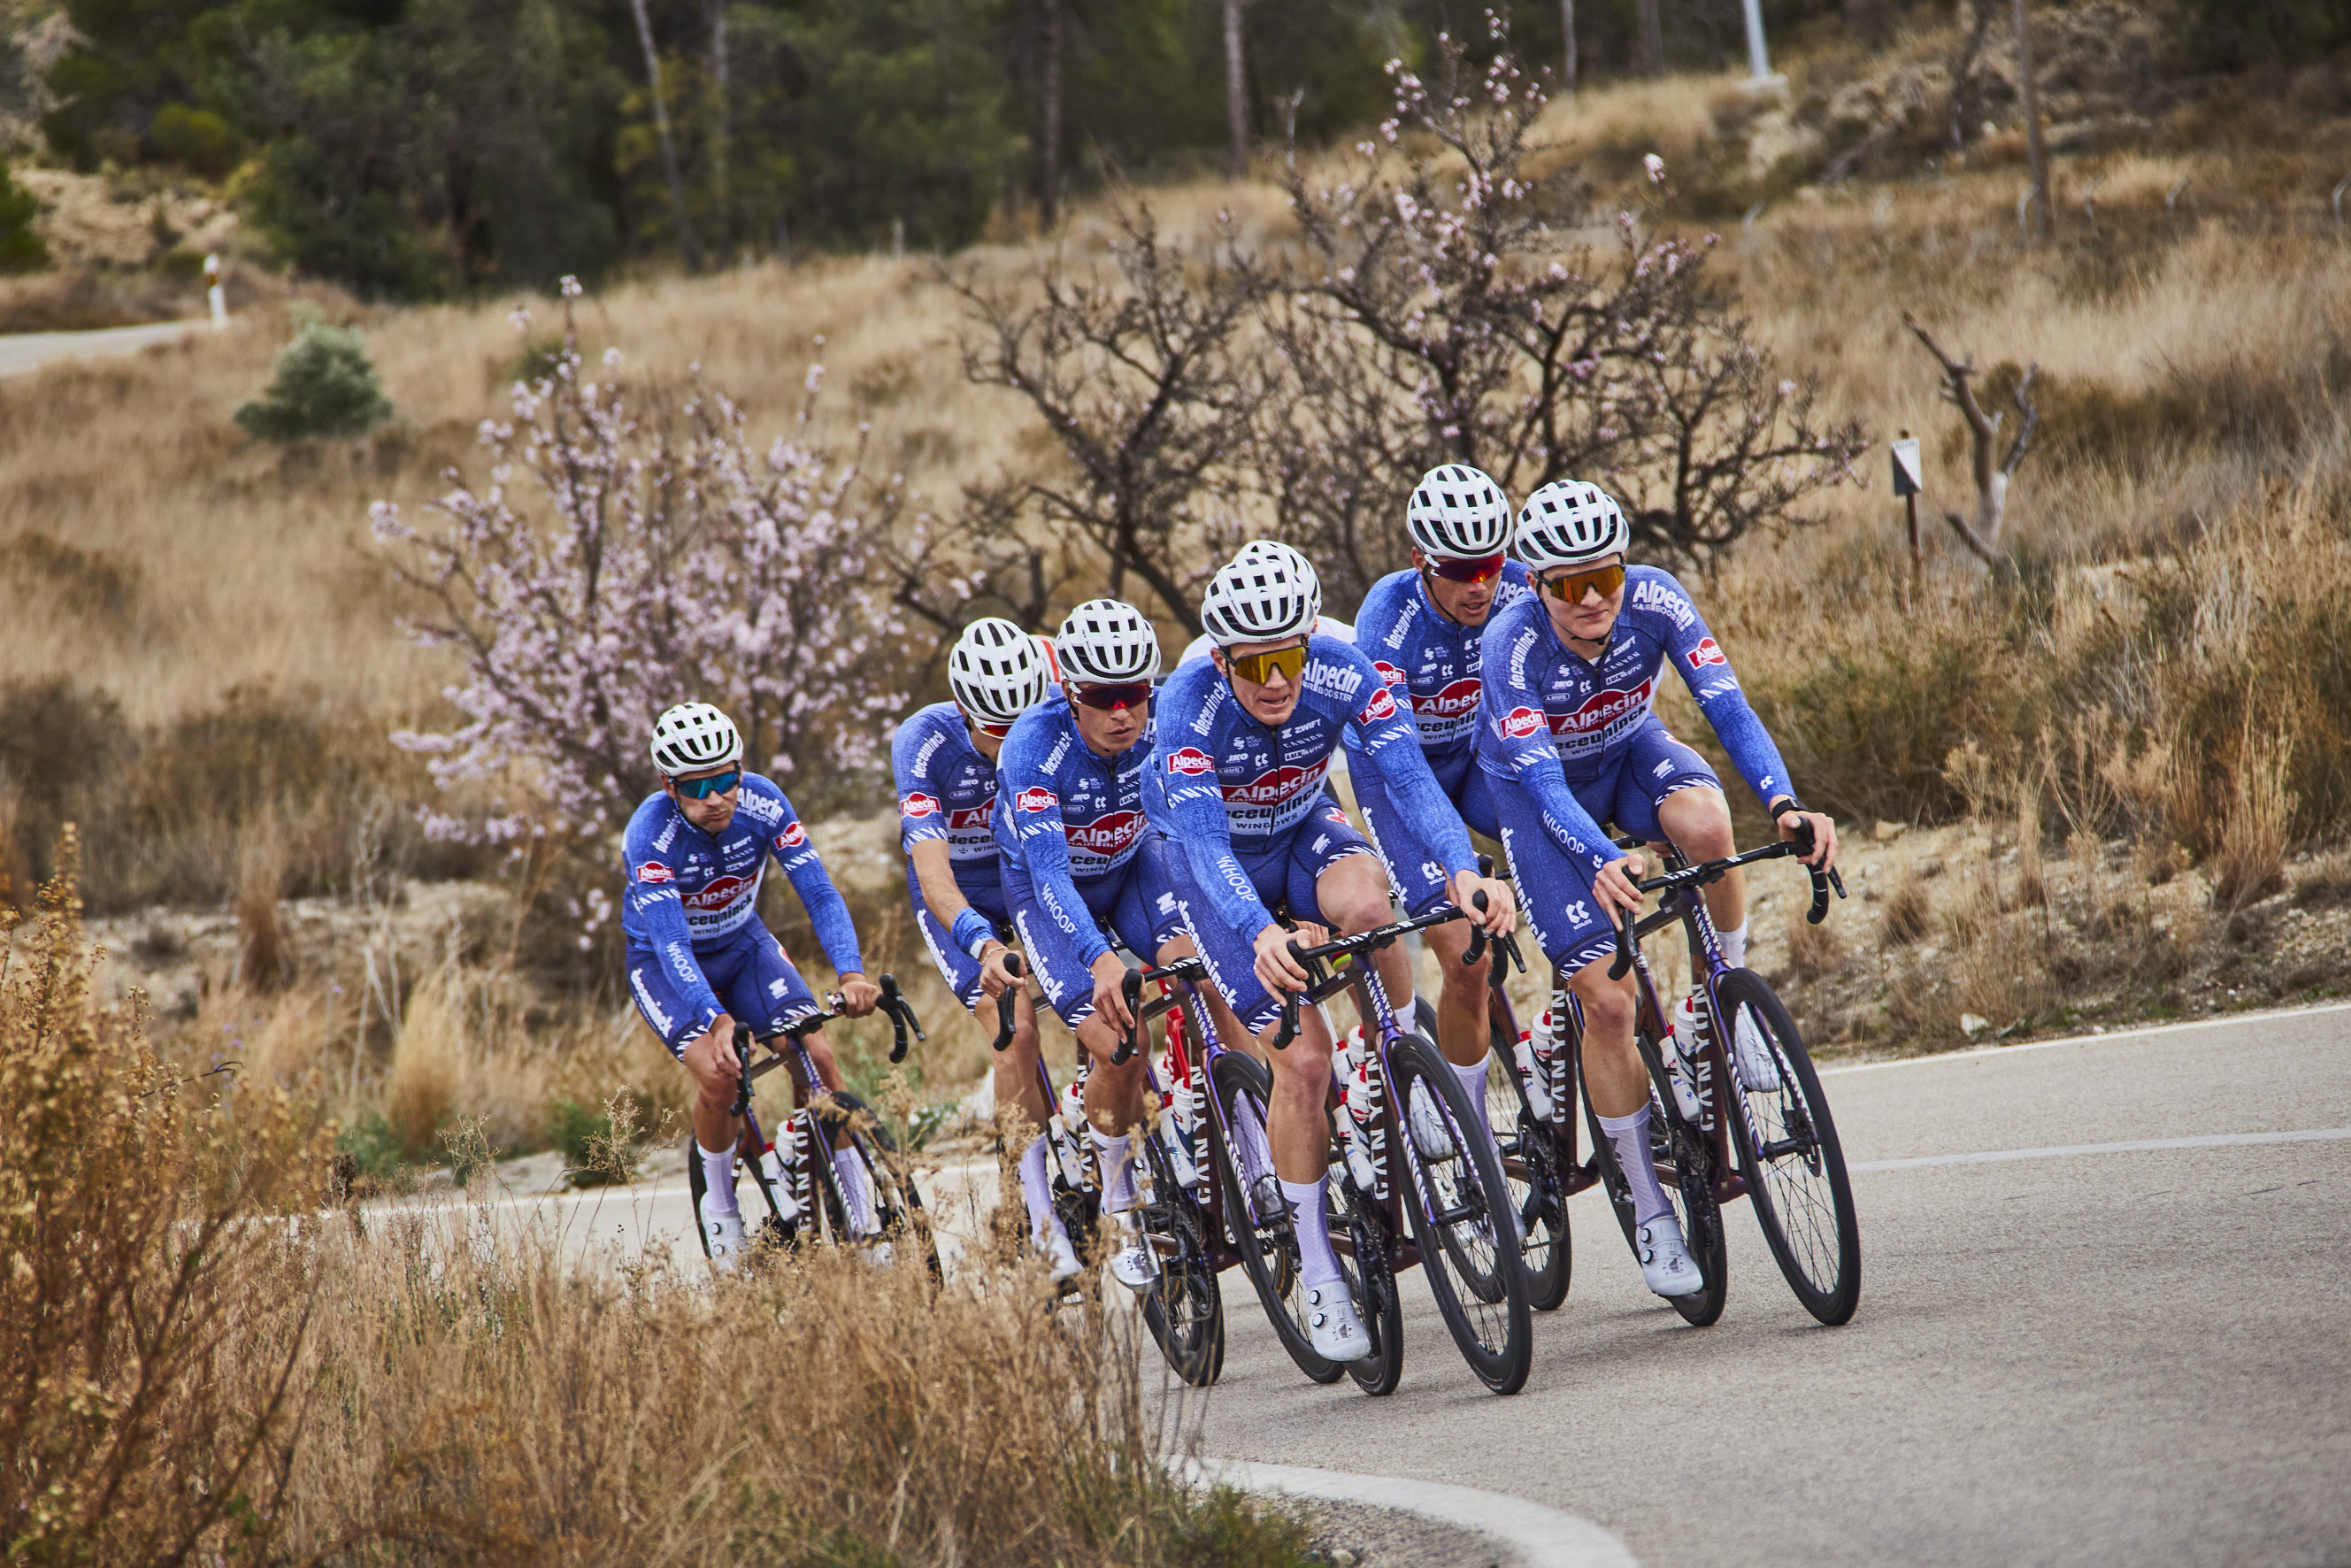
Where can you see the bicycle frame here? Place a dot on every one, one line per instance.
(754, 1142)
(1179, 1000)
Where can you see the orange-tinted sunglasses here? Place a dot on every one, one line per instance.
(1572, 586)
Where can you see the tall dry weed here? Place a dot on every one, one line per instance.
(263, 960)
(2250, 860)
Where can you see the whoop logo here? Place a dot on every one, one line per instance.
(1191, 761)
(1035, 800)
(1380, 709)
(1704, 653)
(1520, 723)
(1459, 698)
(792, 837)
(654, 871)
(918, 805)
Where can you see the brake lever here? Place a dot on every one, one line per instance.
(1131, 989)
(1007, 1003)
(1623, 963)
(902, 1017)
(743, 1061)
(1476, 932)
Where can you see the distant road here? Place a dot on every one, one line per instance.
(22, 353)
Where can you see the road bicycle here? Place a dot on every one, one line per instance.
(874, 1208)
(1412, 1157)
(1773, 1142)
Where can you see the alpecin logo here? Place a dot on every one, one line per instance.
(1191, 761)
(1704, 653)
(793, 836)
(967, 817)
(1108, 834)
(918, 805)
(654, 871)
(1601, 709)
(1035, 799)
(1380, 709)
(1455, 700)
(1275, 785)
(719, 893)
(1521, 722)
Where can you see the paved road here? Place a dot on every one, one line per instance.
(21, 353)
(2131, 1357)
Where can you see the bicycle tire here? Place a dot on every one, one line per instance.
(1496, 1336)
(774, 1234)
(1360, 1235)
(1185, 1310)
(896, 1208)
(1547, 1254)
(1266, 1243)
(1792, 1191)
(1691, 1194)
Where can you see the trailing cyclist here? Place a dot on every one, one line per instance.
(1422, 629)
(944, 760)
(1244, 743)
(699, 961)
(1078, 852)
(1568, 739)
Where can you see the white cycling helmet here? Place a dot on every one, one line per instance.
(1267, 592)
(1459, 512)
(1570, 523)
(996, 671)
(694, 736)
(1103, 639)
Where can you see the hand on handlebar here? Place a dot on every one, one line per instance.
(1276, 969)
(1110, 993)
(1793, 825)
(995, 976)
(1499, 914)
(1613, 886)
(859, 996)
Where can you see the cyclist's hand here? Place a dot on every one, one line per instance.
(710, 1056)
(859, 996)
(1276, 969)
(994, 977)
(1614, 884)
(1501, 909)
(1825, 844)
(1110, 993)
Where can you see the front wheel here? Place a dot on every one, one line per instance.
(1531, 1167)
(1360, 1235)
(1787, 1148)
(1183, 1309)
(1255, 1217)
(870, 1202)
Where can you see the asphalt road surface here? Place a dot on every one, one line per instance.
(2132, 1356)
(21, 353)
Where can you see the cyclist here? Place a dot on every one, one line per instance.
(1567, 737)
(699, 958)
(1244, 741)
(944, 757)
(1422, 629)
(1078, 852)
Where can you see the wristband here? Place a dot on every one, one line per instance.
(1790, 804)
(971, 930)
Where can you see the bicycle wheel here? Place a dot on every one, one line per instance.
(1685, 1170)
(1530, 1170)
(1455, 1197)
(1185, 1310)
(887, 1215)
(773, 1233)
(1256, 1217)
(1360, 1235)
(1787, 1148)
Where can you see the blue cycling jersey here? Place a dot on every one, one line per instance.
(1228, 787)
(1429, 659)
(689, 892)
(1549, 717)
(946, 790)
(1070, 818)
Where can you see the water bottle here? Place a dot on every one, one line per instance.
(1350, 1067)
(781, 1167)
(1681, 1069)
(1534, 1073)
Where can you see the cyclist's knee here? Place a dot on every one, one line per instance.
(1355, 902)
(1699, 822)
(1609, 1006)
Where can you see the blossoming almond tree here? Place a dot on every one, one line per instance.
(616, 563)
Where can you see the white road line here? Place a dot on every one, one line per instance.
(1984, 1050)
(1544, 1537)
(2209, 1141)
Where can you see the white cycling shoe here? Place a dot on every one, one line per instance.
(1333, 1326)
(1061, 1258)
(1665, 1262)
(1135, 1264)
(723, 1235)
(1759, 1069)
(1429, 1133)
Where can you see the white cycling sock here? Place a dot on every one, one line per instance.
(1734, 946)
(857, 1187)
(1037, 1189)
(1309, 1216)
(1117, 1169)
(1629, 1135)
(718, 1175)
(1473, 1084)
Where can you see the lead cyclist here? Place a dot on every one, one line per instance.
(1568, 738)
(699, 961)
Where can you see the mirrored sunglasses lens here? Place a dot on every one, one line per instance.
(1131, 693)
(1260, 667)
(1480, 570)
(702, 788)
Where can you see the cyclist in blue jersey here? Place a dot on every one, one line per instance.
(1079, 854)
(944, 757)
(699, 958)
(1568, 739)
(1244, 741)
(1422, 629)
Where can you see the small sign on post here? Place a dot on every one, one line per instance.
(1906, 485)
(215, 292)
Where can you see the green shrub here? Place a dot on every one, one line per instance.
(196, 139)
(585, 1137)
(326, 386)
(21, 249)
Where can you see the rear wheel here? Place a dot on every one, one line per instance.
(1685, 1170)
(882, 1215)
(1360, 1235)
(1789, 1150)
(1183, 1309)
(1530, 1170)
(1458, 1202)
(1256, 1217)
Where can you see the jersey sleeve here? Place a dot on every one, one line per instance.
(1382, 632)
(1028, 801)
(1706, 671)
(1184, 799)
(651, 897)
(1389, 746)
(827, 910)
(921, 810)
(1512, 707)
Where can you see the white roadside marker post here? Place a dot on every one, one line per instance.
(214, 291)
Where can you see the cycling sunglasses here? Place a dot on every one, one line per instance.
(702, 788)
(993, 731)
(1257, 668)
(1112, 695)
(1572, 587)
(1477, 568)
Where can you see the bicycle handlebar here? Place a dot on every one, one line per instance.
(1822, 879)
(894, 1003)
(1311, 959)
(1006, 1003)
(1131, 991)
